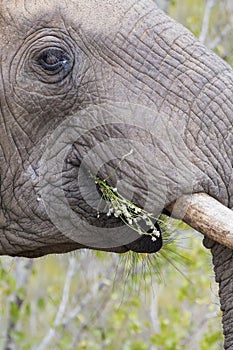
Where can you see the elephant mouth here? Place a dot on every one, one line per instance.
(77, 197)
(143, 244)
(146, 244)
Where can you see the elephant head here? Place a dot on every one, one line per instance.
(115, 90)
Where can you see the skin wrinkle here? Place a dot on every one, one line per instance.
(173, 82)
(141, 18)
(223, 103)
(214, 149)
(24, 209)
(152, 79)
(8, 130)
(3, 239)
(206, 169)
(22, 123)
(170, 87)
(135, 75)
(28, 242)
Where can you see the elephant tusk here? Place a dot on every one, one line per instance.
(206, 215)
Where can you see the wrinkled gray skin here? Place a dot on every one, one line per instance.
(110, 51)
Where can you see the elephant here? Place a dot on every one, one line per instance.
(119, 90)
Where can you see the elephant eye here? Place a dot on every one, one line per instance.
(52, 64)
(53, 60)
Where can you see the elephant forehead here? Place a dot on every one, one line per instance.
(95, 14)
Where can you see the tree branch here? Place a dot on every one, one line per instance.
(62, 307)
(221, 36)
(206, 20)
(163, 4)
(22, 273)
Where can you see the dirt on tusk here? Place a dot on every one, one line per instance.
(206, 215)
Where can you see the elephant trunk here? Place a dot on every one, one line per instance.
(223, 267)
(214, 220)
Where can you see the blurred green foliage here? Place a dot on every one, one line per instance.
(115, 301)
(220, 29)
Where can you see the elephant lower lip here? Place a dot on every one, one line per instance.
(145, 243)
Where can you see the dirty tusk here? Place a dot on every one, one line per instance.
(206, 215)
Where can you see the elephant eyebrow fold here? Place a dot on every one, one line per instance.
(21, 18)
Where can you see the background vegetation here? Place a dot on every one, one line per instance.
(95, 301)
